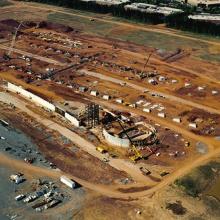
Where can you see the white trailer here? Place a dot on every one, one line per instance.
(106, 97)
(94, 93)
(177, 120)
(119, 101)
(161, 114)
(193, 125)
(147, 110)
(68, 182)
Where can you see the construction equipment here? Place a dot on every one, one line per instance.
(142, 74)
(145, 171)
(7, 56)
(137, 155)
(101, 149)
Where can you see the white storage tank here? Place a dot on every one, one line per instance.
(68, 182)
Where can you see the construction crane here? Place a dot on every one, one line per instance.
(142, 75)
(137, 155)
(7, 56)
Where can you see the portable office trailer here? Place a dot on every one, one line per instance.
(68, 182)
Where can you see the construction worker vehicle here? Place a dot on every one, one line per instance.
(101, 149)
(145, 171)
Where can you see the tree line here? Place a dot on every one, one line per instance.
(176, 20)
(182, 22)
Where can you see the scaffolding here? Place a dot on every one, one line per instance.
(92, 111)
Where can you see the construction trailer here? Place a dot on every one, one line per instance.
(68, 182)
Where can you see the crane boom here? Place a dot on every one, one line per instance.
(13, 39)
(137, 155)
(147, 61)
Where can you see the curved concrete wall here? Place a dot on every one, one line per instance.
(116, 140)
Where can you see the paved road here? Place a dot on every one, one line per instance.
(142, 89)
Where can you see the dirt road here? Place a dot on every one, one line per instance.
(85, 145)
(177, 67)
(106, 190)
(44, 59)
(142, 89)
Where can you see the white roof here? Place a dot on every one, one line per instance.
(210, 17)
(148, 8)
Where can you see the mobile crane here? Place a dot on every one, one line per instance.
(7, 56)
(137, 155)
(142, 74)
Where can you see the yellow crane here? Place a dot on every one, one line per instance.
(137, 155)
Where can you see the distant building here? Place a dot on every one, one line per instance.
(148, 8)
(108, 2)
(205, 17)
(203, 3)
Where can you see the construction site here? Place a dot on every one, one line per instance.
(119, 118)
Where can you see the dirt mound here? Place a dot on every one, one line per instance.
(10, 22)
(56, 27)
(8, 26)
(30, 24)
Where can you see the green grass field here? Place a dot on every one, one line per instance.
(201, 50)
(84, 24)
(156, 40)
